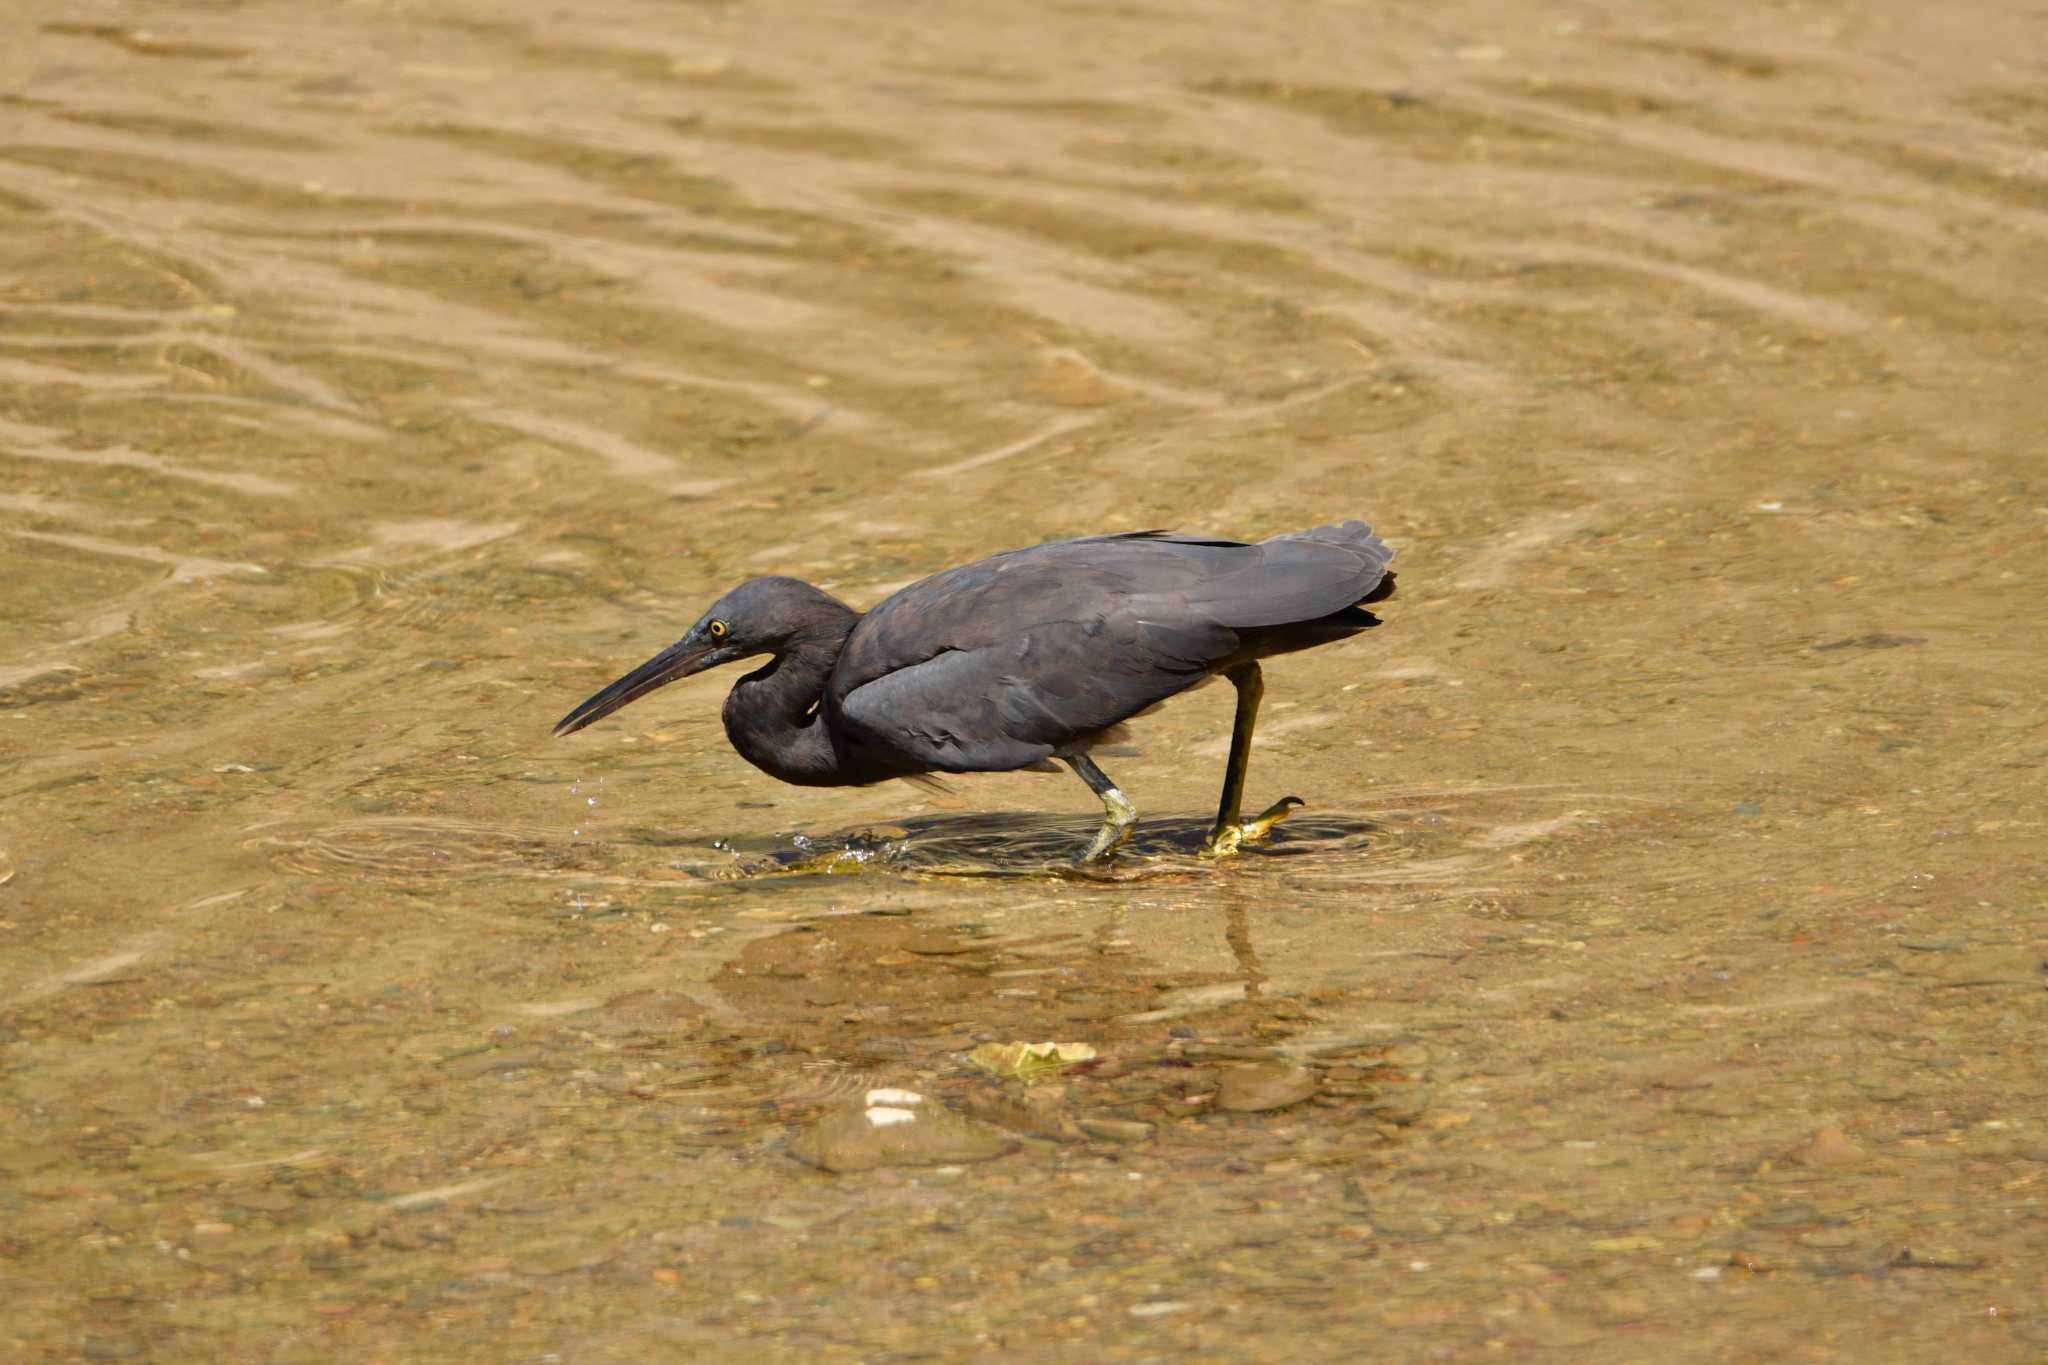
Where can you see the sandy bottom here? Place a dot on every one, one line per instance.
(1655, 974)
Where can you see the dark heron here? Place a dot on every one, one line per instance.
(1021, 658)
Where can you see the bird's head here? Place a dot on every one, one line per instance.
(760, 616)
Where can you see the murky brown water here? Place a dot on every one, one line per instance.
(1665, 935)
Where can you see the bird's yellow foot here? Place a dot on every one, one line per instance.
(1118, 817)
(1225, 840)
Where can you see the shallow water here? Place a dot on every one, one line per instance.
(1666, 928)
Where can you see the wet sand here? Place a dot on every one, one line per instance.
(1664, 940)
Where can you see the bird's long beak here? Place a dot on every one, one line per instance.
(679, 660)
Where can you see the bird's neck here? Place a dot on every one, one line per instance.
(772, 715)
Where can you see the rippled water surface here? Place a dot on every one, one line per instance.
(1663, 941)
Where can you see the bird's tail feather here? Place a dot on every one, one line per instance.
(1355, 535)
(1302, 576)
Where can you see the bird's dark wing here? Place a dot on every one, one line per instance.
(1017, 701)
(1298, 578)
(1000, 663)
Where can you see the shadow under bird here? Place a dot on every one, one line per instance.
(1021, 658)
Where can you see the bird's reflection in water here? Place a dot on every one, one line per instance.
(1011, 844)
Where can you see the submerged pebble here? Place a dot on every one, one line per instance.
(1260, 1087)
(1116, 1130)
(1037, 1111)
(1830, 1146)
(897, 1128)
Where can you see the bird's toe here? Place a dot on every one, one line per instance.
(1260, 825)
(1225, 840)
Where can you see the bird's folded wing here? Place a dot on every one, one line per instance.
(1296, 578)
(1188, 581)
(1003, 662)
(1023, 699)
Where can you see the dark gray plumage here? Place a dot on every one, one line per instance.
(1020, 658)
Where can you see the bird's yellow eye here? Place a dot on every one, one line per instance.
(717, 629)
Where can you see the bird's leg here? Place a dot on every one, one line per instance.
(1231, 828)
(1119, 815)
